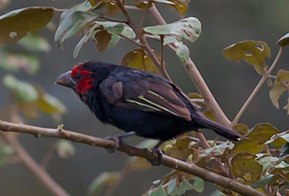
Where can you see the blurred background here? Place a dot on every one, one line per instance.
(223, 23)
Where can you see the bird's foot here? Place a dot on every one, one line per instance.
(118, 140)
(158, 156)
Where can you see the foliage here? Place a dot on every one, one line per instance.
(249, 161)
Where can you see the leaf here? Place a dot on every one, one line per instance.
(102, 181)
(159, 191)
(49, 104)
(284, 40)
(265, 180)
(254, 141)
(180, 148)
(138, 59)
(180, 5)
(16, 24)
(65, 149)
(244, 166)
(88, 35)
(5, 151)
(199, 184)
(252, 52)
(187, 28)
(109, 6)
(217, 150)
(35, 43)
(23, 91)
(102, 38)
(281, 84)
(116, 28)
(72, 21)
(182, 51)
(241, 128)
(16, 61)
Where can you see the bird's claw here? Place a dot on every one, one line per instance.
(117, 143)
(158, 156)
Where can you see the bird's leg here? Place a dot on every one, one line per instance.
(157, 153)
(118, 139)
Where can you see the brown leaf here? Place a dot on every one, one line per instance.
(102, 38)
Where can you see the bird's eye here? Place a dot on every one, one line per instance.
(77, 75)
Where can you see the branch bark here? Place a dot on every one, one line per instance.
(39, 172)
(132, 151)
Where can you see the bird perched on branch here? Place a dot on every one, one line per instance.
(137, 102)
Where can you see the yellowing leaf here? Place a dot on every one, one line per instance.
(244, 166)
(254, 141)
(110, 7)
(252, 52)
(16, 24)
(138, 59)
(281, 84)
(241, 128)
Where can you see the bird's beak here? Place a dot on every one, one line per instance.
(65, 80)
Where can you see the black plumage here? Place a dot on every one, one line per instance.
(136, 101)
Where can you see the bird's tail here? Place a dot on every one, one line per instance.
(219, 129)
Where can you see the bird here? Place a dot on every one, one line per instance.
(137, 102)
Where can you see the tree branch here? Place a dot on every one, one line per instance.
(258, 87)
(190, 168)
(39, 172)
(197, 78)
(139, 34)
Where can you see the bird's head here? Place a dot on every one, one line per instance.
(80, 78)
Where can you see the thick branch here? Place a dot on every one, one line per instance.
(197, 78)
(39, 172)
(132, 151)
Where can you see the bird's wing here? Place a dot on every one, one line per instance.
(135, 89)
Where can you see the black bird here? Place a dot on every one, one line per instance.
(137, 101)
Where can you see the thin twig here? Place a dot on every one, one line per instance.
(131, 151)
(39, 172)
(196, 77)
(258, 87)
(139, 34)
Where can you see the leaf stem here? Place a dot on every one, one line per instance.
(258, 87)
(139, 33)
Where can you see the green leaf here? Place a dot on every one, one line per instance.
(16, 24)
(109, 6)
(217, 150)
(116, 28)
(182, 188)
(65, 149)
(187, 28)
(284, 40)
(252, 52)
(182, 51)
(35, 43)
(281, 85)
(5, 151)
(72, 21)
(199, 184)
(16, 61)
(23, 90)
(265, 180)
(103, 180)
(159, 191)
